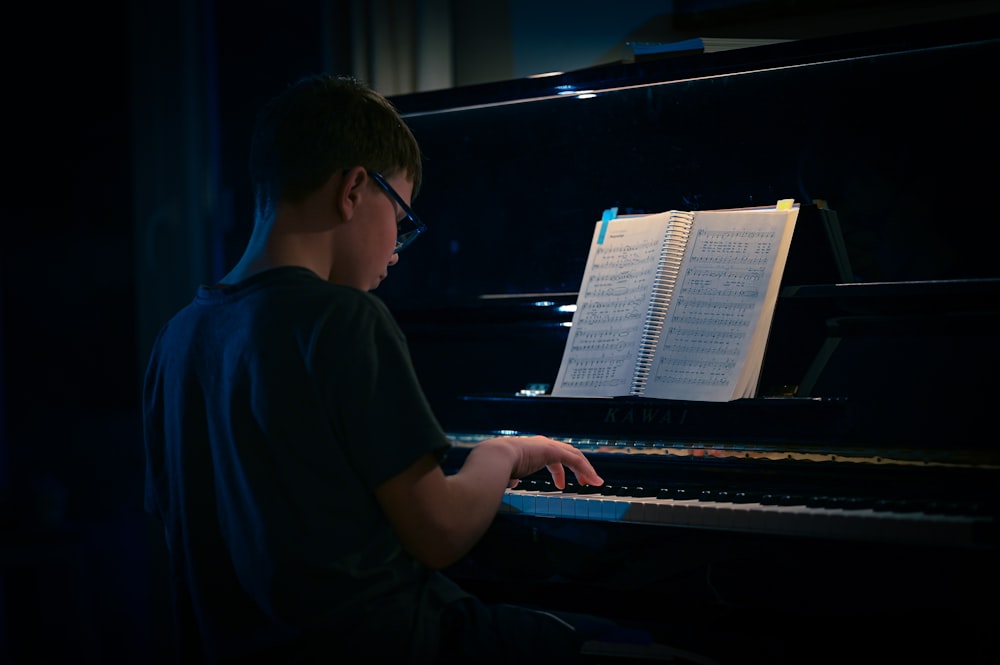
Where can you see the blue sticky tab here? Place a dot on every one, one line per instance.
(608, 215)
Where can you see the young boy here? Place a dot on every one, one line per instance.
(291, 455)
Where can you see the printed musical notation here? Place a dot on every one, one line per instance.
(691, 372)
(734, 247)
(716, 305)
(594, 372)
(714, 321)
(611, 339)
(612, 310)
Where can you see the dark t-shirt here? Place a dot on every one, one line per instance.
(272, 410)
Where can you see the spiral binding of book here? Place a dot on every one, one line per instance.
(668, 267)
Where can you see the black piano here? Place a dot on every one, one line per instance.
(848, 512)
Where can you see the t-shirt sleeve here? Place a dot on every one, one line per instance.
(379, 411)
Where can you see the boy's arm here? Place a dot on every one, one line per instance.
(440, 517)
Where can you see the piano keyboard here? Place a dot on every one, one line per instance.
(777, 514)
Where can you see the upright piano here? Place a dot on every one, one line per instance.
(849, 511)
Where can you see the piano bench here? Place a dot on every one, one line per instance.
(619, 653)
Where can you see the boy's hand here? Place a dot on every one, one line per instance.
(537, 452)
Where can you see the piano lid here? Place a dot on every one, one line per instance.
(887, 126)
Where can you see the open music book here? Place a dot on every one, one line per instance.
(677, 305)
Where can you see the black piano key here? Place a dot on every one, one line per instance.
(744, 497)
(535, 485)
(716, 495)
(895, 506)
(782, 500)
(677, 494)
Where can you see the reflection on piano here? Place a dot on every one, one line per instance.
(850, 511)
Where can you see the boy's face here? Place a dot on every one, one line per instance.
(371, 242)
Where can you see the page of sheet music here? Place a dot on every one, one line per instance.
(710, 347)
(603, 341)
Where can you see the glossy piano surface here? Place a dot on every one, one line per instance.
(854, 501)
(889, 127)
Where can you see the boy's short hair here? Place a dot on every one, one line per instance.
(321, 124)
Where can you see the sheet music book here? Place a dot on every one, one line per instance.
(677, 305)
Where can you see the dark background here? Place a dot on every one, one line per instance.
(75, 565)
(92, 93)
(76, 583)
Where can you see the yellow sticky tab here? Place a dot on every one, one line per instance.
(786, 204)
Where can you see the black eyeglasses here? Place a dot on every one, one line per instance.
(408, 228)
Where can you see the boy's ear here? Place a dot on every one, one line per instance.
(350, 191)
